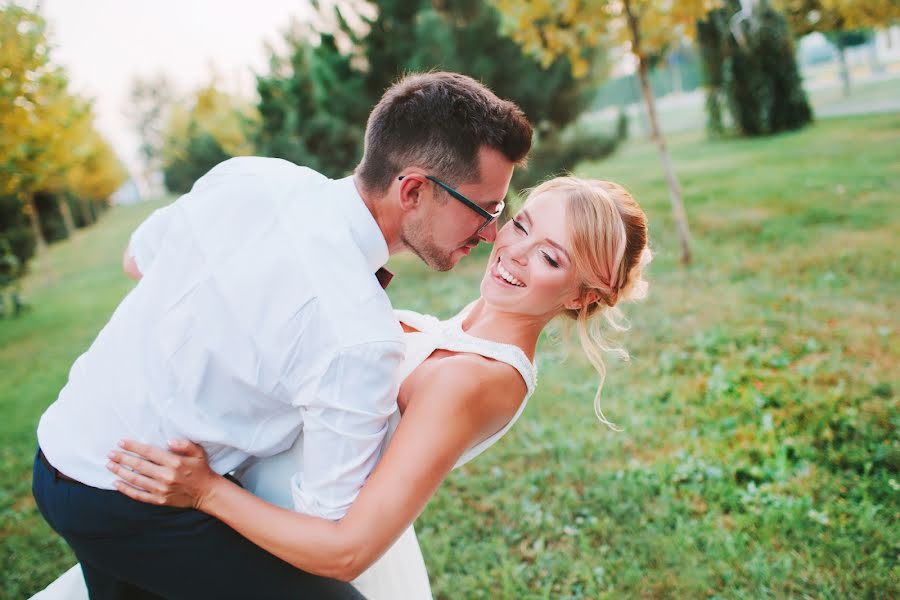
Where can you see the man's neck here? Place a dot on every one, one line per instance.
(386, 216)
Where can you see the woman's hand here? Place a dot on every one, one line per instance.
(180, 477)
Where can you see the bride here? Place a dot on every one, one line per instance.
(577, 248)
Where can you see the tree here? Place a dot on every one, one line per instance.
(571, 29)
(32, 109)
(842, 21)
(148, 103)
(214, 127)
(315, 100)
(750, 58)
(46, 136)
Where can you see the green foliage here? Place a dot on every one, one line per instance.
(15, 232)
(710, 37)
(622, 125)
(556, 152)
(52, 225)
(212, 128)
(201, 153)
(49, 145)
(627, 89)
(757, 71)
(148, 101)
(315, 101)
(313, 107)
(10, 272)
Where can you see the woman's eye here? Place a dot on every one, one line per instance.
(550, 261)
(519, 227)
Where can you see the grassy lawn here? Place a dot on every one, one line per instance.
(760, 454)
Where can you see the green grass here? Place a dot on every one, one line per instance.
(760, 454)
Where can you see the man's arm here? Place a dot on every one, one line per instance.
(344, 427)
(146, 241)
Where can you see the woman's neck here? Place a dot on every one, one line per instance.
(490, 323)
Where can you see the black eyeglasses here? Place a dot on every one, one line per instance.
(488, 217)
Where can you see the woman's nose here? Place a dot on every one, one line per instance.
(518, 253)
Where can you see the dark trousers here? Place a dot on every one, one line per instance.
(129, 549)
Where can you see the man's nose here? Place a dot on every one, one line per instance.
(489, 233)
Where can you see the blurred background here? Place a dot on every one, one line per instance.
(760, 453)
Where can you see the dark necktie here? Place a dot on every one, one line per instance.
(384, 277)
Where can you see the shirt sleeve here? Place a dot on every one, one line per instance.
(216, 189)
(344, 428)
(147, 238)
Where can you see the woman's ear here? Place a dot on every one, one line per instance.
(586, 299)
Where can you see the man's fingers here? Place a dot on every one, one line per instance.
(136, 479)
(151, 453)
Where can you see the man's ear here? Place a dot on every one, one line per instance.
(411, 189)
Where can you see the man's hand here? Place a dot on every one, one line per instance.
(130, 266)
(180, 477)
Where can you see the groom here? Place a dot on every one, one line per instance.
(260, 313)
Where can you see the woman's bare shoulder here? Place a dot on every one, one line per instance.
(490, 388)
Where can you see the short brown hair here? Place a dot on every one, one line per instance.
(439, 121)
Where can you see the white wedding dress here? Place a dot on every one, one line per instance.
(401, 572)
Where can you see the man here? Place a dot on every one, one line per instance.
(259, 314)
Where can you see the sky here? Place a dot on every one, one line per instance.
(105, 44)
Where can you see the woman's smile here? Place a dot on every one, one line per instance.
(505, 276)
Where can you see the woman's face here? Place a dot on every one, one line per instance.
(531, 270)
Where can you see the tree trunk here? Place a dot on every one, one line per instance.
(874, 60)
(675, 67)
(641, 110)
(85, 210)
(66, 213)
(845, 70)
(31, 210)
(684, 235)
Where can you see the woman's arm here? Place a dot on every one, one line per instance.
(451, 408)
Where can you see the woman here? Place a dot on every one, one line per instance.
(577, 248)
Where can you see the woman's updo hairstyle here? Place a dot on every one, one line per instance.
(609, 250)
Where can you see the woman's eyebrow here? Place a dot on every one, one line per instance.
(525, 214)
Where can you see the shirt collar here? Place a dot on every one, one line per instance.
(362, 225)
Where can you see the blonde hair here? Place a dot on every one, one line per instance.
(610, 250)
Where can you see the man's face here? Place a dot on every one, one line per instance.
(441, 230)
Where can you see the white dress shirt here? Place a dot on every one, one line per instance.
(258, 316)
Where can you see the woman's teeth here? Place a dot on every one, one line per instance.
(507, 276)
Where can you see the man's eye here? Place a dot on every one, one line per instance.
(550, 261)
(519, 227)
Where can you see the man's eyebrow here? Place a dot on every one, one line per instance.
(556, 245)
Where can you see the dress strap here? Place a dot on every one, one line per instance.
(424, 323)
(449, 335)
